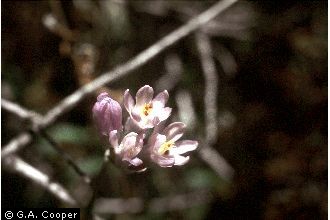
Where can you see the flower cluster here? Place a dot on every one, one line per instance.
(143, 137)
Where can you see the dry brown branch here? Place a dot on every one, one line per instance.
(16, 164)
(70, 101)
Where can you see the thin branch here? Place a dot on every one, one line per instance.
(118, 205)
(142, 58)
(180, 202)
(19, 166)
(227, 60)
(57, 9)
(211, 87)
(18, 110)
(106, 206)
(51, 22)
(234, 23)
(65, 155)
(217, 162)
(16, 144)
(174, 70)
(25, 137)
(69, 102)
(186, 111)
(207, 153)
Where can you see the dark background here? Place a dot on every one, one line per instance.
(276, 97)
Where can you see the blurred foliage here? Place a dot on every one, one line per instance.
(272, 101)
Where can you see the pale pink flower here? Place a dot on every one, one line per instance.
(147, 112)
(107, 114)
(166, 150)
(129, 148)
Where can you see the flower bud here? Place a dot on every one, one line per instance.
(107, 114)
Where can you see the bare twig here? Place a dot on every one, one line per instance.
(170, 79)
(69, 102)
(186, 109)
(234, 23)
(217, 162)
(18, 110)
(19, 166)
(65, 155)
(16, 144)
(179, 202)
(57, 23)
(51, 22)
(118, 205)
(97, 217)
(164, 204)
(227, 60)
(207, 153)
(57, 9)
(139, 60)
(25, 137)
(211, 87)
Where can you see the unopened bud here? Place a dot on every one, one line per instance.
(107, 114)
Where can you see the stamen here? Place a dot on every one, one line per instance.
(147, 108)
(165, 147)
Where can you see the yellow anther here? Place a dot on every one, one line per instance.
(146, 109)
(165, 147)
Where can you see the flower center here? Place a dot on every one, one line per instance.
(165, 147)
(146, 109)
(130, 153)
